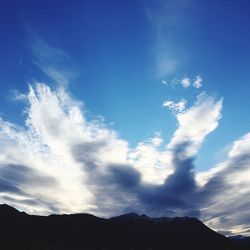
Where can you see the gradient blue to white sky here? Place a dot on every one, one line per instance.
(141, 74)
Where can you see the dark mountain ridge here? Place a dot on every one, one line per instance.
(84, 231)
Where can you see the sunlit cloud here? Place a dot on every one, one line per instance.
(152, 161)
(60, 161)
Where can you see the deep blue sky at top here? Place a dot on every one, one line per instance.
(115, 45)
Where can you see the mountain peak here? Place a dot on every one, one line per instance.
(132, 231)
(6, 209)
(127, 216)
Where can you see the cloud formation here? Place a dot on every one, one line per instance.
(196, 123)
(60, 161)
(227, 188)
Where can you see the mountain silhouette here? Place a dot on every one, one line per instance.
(84, 231)
(241, 242)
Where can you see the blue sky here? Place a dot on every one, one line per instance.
(117, 47)
(124, 60)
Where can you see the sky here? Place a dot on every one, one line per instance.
(115, 106)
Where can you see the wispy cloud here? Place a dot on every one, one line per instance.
(185, 82)
(171, 83)
(53, 61)
(166, 65)
(166, 17)
(16, 95)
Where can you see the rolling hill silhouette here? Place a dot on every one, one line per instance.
(84, 231)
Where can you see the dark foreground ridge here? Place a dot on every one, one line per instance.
(130, 231)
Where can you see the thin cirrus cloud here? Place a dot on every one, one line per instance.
(54, 62)
(59, 161)
(166, 17)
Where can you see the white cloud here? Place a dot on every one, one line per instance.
(58, 142)
(60, 161)
(157, 140)
(44, 146)
(241, 146)
(153, 163)
(58, 138)
(185, 82)
(175, 106)
(196, 123)
(197, 82)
